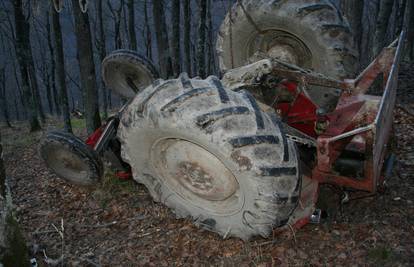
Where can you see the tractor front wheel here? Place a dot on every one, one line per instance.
(71, 159)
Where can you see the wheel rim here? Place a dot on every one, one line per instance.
(128, 79)
(68, 165)
(127, 73)
(281, 45)
(196, 175)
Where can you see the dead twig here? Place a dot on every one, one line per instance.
(99, 225)
(293, 232)
(90, 262)
(61, 233)
(44, 232)
(52, 262)
(271, 242)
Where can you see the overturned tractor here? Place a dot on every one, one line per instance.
(247, 153)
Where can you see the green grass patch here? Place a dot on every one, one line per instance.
(113, 188)
(380, 255)
(11, 142)
(76, 123)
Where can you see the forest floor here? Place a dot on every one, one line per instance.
(117, 224)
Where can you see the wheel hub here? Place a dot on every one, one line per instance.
(194, 173)
(68, 165)
(280, 45)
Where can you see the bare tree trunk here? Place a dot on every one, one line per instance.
(43, 65)
(52, 64)
(35, 91)
(164, 56)
(410, 29)
(400, 16)
(87, 68)
(187, 36)
(131, 25)
(194, 58)
(3, 98)
(116, 13)
(16, 107)
(353, 10)
(201, 48)
(175, 39)
(382, 24)
(60, 71)
(33, 80)
(102, 55)
(147, 32)
(22, 51)
(46, 80)
(211, 62)
(19, 90)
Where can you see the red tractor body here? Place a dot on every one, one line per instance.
(351, 151)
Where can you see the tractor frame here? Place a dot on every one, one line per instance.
(349, 145)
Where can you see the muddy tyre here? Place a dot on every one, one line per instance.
(71, 159)
(309, 34)
(210, 154)
(127, 73)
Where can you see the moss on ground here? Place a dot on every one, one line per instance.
(16, 253)
(381, 255)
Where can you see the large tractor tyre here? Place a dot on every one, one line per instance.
(310, 34)
(71, 159)
(127, 73)
(211, 154)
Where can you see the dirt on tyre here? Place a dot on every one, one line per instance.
(71, 159)
(211, 154)
(309, 34)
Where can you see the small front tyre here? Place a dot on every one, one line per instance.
(71, 159)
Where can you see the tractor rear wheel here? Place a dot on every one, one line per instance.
(309, 34)
(211, 154)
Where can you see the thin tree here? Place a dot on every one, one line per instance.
(201, 47)
(3, 98)
(383, 18)
(23, 54)
(164, 57)
(147, 32)
(117, 15)
(187, 36)
(87, 68)
(33, 75)
(51, 50)
(175, 39)
(43, 63)
(102, 54)
(410, 28)
(211, 62)
(19, 89)
(353, 10)
(131, 25)
(60, 71)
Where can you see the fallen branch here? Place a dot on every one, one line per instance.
(43, 232)
(90, 262)
(99, 225)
